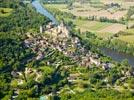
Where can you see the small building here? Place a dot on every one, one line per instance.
(94, 61)
(40, 56)
(105, 66)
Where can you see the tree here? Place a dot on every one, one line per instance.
(131, 83)
(125, 62)
(69, 6)
(2, 11)
(2, 65)
(14, 83)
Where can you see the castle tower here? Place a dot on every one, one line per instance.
(63, 30)
(41, 29)
(62, 24)
(66, 31)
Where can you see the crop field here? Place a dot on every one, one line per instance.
(114, 28)
(102, 13)
(104, 35)
(4, 12)
(91, 25)
(131, 23)
(128, 39)
(61, 7)
(102, 29)
(99, 26)
(87, 10)
(129, 31)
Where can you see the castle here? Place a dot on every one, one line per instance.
(57, 31)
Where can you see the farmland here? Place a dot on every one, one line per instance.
(128, 39)
(105, 28)
(127, 36)
(129, 31)
(87, 10)
(101, 29)
(90, 25)
(114, 28)
(98, 8)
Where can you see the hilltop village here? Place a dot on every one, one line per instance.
(53, 38)
(59, 38)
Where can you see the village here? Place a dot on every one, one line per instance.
(59, 38)
(62, 41)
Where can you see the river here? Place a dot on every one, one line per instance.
(118, 56)
(43, 11)
(108, 52)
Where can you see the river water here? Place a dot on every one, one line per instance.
(118, 56)
(43, 11)
(108, 52)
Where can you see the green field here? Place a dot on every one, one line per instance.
(101, 29)
(85, 25)
(128, 39)
(94, 26)
(4, 12)
(130, 31)
(104, 35)
(99, 25)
